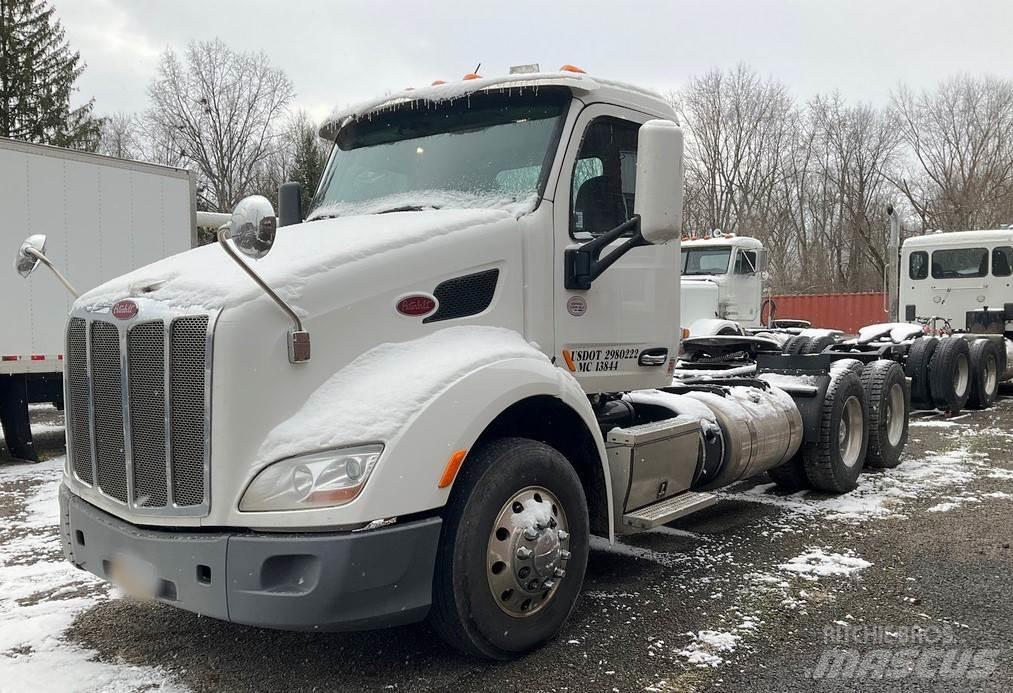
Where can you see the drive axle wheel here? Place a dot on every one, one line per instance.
(984, 374)
(835, 461)
(916, 367)
(886, 393)
(950, 374)
(513, 549)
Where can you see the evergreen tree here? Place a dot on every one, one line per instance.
(309, 161)
(37, 75)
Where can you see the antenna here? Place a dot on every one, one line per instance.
(475, 71)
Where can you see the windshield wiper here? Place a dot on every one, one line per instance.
(408, 208)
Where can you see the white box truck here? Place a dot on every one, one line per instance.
(103, 217)
(490, 276)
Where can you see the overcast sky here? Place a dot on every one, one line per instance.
(340, 52)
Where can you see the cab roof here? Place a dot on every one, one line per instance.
(723, 242)
(583, 86)
(960, 238)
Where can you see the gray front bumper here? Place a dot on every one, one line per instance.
(333, 581)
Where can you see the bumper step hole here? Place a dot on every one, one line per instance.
(204, 574)
(79, 537)
(167, 590)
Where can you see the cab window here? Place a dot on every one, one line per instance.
(1002, 261)
(604, 177)
(705, 261)
(918, 265)
(959, 263)
(745, 262)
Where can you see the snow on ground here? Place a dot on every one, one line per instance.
(42, 594)
(707, 647)
(882, 494)
(816, 563)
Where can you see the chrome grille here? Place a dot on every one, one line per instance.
(146, 366)
(78, 416)
(106, 379)
(188, 376)
(149, 380)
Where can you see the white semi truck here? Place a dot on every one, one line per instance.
(490, 277)
(955, 284)
(106, 217)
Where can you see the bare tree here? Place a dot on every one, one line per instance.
(219, 109)
(958, 138)
(120, 136)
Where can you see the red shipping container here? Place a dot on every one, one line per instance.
(846, 312)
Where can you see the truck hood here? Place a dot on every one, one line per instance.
(206, 278)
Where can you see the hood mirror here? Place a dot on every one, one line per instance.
(31, 252)
(253, 227)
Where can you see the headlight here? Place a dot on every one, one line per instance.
(318, 480)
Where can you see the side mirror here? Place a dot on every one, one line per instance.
(29, 255)
(659, 187)
(253, 226)
(761, 261)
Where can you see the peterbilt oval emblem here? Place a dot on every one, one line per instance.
(416, 305)
(124, 310)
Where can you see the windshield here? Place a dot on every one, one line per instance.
(489, 149)
(705, 260)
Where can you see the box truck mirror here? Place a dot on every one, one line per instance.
(658, 199)
(31, 253)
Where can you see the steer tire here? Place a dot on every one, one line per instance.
(816, 345)
(833, 464)
(985, 374)
(950, 374)
(795, 344)
(917, 368)
(887, 396)
(790, 476)
(465, 611)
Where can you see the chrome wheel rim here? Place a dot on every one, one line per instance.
(849, 432)
(895, 414)
(527, 551)
(960, 376)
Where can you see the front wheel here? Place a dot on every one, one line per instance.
(513, 550)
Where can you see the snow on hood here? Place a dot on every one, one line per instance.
(205, 277)
(376, 394)
(518, 206)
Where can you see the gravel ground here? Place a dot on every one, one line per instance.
(903, 584)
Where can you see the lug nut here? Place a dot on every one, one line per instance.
(533, 585)
(559, 572)
(530, 534)
(563, 536)
(548, 584)
(564, 555)
(523, 552)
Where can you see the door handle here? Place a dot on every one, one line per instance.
(653, 357)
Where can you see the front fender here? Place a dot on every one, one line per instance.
(420, 428)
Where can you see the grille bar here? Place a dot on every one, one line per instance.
(78, 408)
(138, 411)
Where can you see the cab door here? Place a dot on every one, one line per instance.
(621, 334)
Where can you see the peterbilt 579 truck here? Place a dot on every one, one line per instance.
(422, 396)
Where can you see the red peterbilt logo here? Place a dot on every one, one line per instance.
(416, 305)
(124, 310)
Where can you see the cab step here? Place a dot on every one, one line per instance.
(669, 509)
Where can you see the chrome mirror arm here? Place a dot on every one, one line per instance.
(41, 257)
(298, 338)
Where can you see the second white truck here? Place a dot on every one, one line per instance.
(421, 397)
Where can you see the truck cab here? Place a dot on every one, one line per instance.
(420, 397)
(722, 279)
(951, 275)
